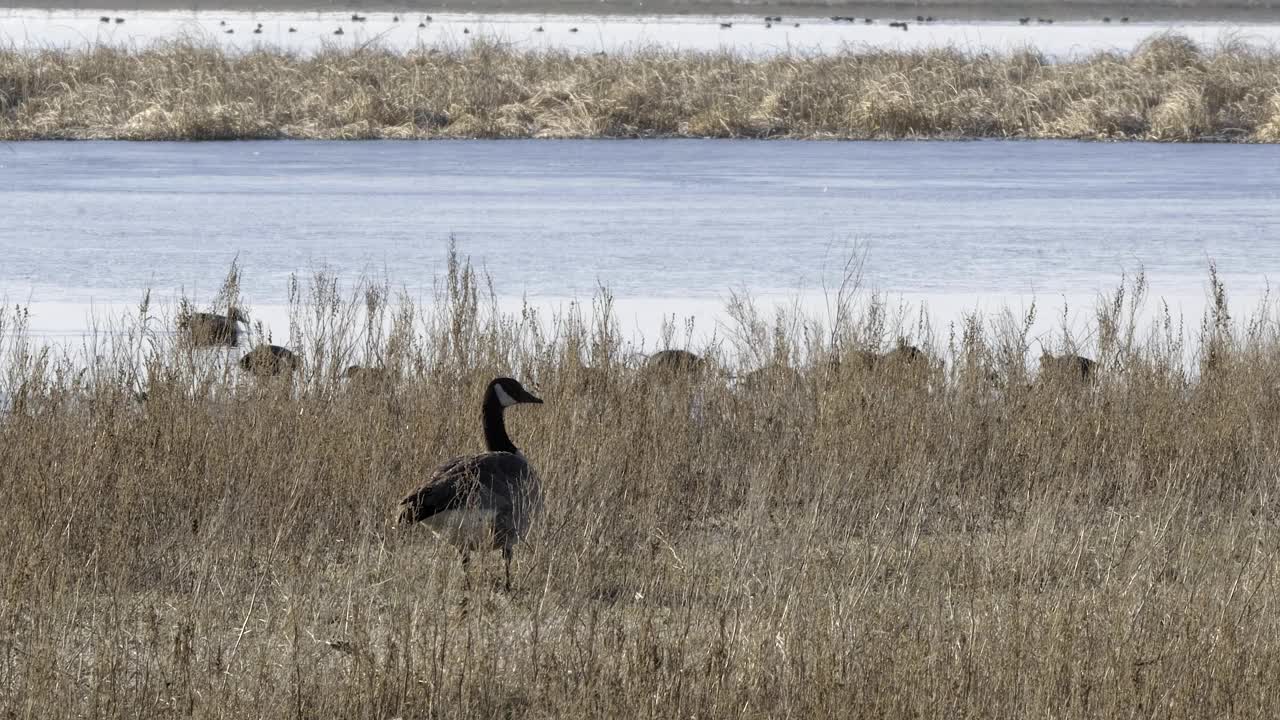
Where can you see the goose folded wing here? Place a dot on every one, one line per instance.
(485, 480)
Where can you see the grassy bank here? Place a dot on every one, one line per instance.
(1167, 90)
(970, 541)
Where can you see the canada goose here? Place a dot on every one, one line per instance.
(338, 31)
(485, 501)
(774, 376)
(367, 375)
(903, 359)
(269, 360)
(1068, 367)
(209, 329)
(674, 362)
(796, 25)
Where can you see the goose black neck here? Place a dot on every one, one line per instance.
(495, 429)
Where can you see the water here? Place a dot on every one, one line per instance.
(670, 225)
(29, 28)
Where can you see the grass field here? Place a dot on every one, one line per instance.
(960, 539)
(1167, 90)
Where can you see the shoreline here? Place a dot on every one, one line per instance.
(945, 10)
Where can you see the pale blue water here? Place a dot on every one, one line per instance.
(661, 219)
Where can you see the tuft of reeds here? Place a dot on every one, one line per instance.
(1168, 89)
(972, 540)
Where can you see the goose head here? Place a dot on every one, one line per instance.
(508, 392)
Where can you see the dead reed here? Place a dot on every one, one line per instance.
(969, 541)
(1169, 90)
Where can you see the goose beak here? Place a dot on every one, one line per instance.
(531, 398)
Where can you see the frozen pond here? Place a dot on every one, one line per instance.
(670, 225)
(28, 28)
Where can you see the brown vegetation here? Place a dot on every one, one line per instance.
(859, 546)
(1169, 89)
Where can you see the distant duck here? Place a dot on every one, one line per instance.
(421, 25)
(427, 19)
(796, 25)
(230, 31)
(395, 18)
(119, 20)
(106, 19)
(919, 18)
(358, 18)
(220, 22)
(573, 29)
(538, 29)
(338, 31)
(1024, 21)
(1124, 19)
(725, 26)
(902, 25)
(466, 31)
(1106, 19)
(1045, 21)
(768, 25)
(867, 21)
(293, 29)
(257, 31)
(929, 18)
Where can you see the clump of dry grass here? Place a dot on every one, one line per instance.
(1168, 89)
(970, 541)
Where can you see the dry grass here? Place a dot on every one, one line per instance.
(970, 543)
(1169, 89)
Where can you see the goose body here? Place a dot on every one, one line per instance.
(268, 360)
(212, 329)
(486, 501)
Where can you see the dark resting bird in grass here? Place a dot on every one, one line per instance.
(485, 501)
(211, 329)
(269, 360)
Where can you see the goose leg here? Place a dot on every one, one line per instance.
(506, 557)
